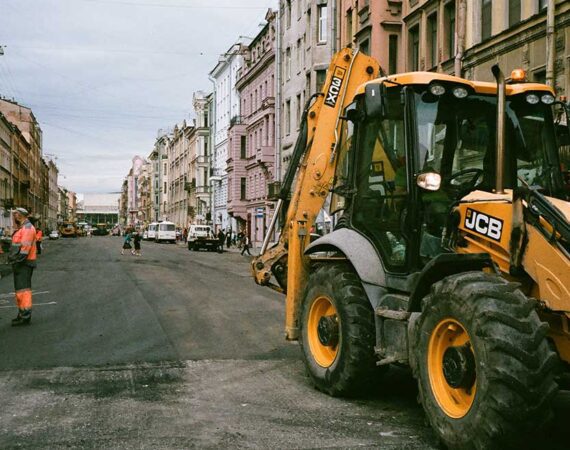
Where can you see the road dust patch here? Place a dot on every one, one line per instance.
(146, 383)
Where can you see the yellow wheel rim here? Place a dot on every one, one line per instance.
(453, 388)
(324, 353)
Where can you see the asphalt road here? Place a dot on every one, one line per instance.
(178, 349)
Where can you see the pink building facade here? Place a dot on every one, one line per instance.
(251, 156)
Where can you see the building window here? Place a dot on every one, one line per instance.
(309, 25)
(288, 63)
(299, 51)
(450, 28)
(242, 189)
(165, 187)
(243, 147)
(165, 169)
(298, 112)
(322, 23)
(288, 117)
(393, 53)
(486, 19)
(364, 46)
(514, 12)
(321, 78)
(349, 33)
(542, 4)
(414, 48)
(432, 40)
(288, 13)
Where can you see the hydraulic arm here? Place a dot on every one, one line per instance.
(313, 167)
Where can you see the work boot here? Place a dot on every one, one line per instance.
(24, 317)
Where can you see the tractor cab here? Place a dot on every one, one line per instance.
(420, 142)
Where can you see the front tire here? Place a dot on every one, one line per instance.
(338, 332)
(484, 367)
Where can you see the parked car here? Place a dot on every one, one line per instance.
(54, 235)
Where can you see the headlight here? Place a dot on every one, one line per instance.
(547, 99)
(532, 99)
(437, 89)
(460, 92)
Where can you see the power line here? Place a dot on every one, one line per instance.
(162, 5)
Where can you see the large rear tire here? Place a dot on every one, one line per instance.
(338, 332)
(484, 367)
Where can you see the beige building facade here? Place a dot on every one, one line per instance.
(179, 163)
(467, 37)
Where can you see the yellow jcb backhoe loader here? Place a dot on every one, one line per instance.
(451, 251)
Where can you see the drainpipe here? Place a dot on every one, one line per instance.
(550, 42)
(461, 14)
(278, 97)
(212, 153)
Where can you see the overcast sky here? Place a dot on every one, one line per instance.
(102, 76)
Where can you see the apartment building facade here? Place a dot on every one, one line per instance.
(226, 106)
(159, 187)
(467, 37)
(198, 183)
(179, 164)
(375, 28)
(256, 86)
(307, 43)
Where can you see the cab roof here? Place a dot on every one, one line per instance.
(480, 87)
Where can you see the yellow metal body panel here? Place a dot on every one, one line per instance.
(546, 265)
(480, 87)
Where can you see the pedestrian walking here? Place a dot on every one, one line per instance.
(229, 238)
(127, 242)
(39, 238)
(245, 248)
(221, 239)
(137, 240)
(23, 259)
(240, 236)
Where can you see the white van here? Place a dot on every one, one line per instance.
(166, 232)
(201, 236)
(151, 232)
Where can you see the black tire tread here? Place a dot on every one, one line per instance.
(359, 371)
(519, 366)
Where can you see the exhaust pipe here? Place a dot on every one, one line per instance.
(500, 142)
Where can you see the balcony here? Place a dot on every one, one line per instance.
(189, 186)
(237, 120)
(265, 154)
(267, 102)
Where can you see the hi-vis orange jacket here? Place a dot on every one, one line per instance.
(25, 238)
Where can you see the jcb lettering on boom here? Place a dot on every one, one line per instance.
(483, 224)
(334, 89)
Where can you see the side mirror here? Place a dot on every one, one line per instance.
(353, 115)
(429, 181)
(375, 100)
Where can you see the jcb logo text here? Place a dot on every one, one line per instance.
(483, 224)
(334, 88)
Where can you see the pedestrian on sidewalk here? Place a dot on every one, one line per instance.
(137, 240)
(39, 238)
(221, 239)
(245, 248)
(127, 241)
(229, 238)
(23, 259)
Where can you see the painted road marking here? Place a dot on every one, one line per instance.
(11, 294)
(34, 305)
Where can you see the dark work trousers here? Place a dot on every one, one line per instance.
(23, 286)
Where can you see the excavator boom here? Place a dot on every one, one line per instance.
(313, 167)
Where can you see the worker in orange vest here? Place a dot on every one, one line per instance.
(39, 238)
(23, 259)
